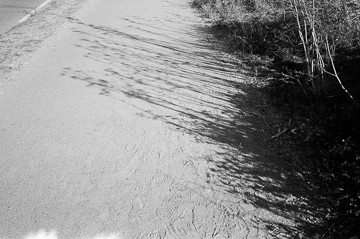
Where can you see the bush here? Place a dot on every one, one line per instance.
(314, 46)
(303, 34)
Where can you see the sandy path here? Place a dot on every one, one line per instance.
(126, 122)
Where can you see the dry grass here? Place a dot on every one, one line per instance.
(299, 31)
(314, 46)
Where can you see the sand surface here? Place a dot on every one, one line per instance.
(122, 119)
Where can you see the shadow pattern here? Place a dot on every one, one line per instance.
(169, 68)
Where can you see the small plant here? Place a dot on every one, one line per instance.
(322, 26)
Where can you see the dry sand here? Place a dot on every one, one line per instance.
(123, 120)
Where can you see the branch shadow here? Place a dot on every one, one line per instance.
(183, 79)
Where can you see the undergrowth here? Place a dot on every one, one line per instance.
(314, 52)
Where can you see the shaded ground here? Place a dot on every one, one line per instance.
(131, 121)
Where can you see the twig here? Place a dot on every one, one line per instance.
(335, 72)
(280, 133)
(327, 231)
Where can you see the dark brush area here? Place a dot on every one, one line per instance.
(309, 67)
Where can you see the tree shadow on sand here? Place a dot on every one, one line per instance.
(185, 80)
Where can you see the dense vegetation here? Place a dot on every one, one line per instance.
(313, 52)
